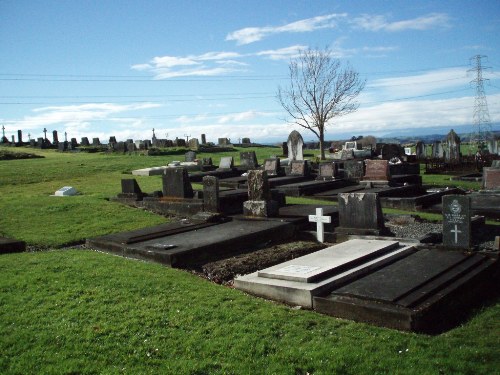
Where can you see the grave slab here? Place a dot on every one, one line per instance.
(424, 292)
(299, 280)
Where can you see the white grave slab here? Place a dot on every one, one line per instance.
(65, 191)
(297, 281)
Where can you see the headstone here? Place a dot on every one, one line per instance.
(248, 160)
(33, 142)
(112, 140)
(354, 170)
(246, 141)
(120, 147)
(377, 170)
(96, 142)
(74, 143)
(193, 144)
(328, 171)
(130, 147)
(190, 156)
(130, 186)
(491, 178)
(62, 146)
(223, 142)
(20, 137)
(176, 183)
(259, 202)
(420, 150)
(272, 166)
(320, 220)
(391, 150)
(85, 142)
(299, 168)
(295, 145)
(360, 213)
(180, 142)
(65, 191)
(203, 139)
(456, 221)
(226, 162)
(39, 142)
(453, 148)
(14, 140)
(55, 138)
(206, 162)
(284, 149)
(211, 201)
(437, 150)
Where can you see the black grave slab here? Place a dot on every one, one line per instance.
(198, 176)
(9, 245)
(197, 245)
(425, 292)
(311, 187)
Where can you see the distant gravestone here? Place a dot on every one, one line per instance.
(33, 142)
(130, 186)
(437, 150)
(85, 142)
(259, 202)
(452, 147)
(226, 162)
(327, 171)
(223, 142)
(246, 141)
(120, 147)
(66, 191)
(284, 149)
(211, 201)
(299, 168)
(176, 183)
(74, 143)
(491, 178)
(354, 170)
(376, 170)
(39, 142)
(130, 147)
(180, 142)
(391, 150)
(420, 150)
(272, 166)
(248, 160)
(456, 221)
(203, 139)
(494, 146)
(112, 140)
(20, 137)
(360, 213)
(55, 138)
(96, 142)
(190, 156)
(295, 145)
(62, 146)
(194, 144)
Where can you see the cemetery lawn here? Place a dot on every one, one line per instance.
(80, 311)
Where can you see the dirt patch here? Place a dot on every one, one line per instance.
(224, 271)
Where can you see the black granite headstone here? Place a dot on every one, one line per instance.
(456, 221)
(176, 183)
(360, 213)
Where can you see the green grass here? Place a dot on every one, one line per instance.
(87, 312)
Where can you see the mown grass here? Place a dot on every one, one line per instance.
(87, 312)
(79, 311)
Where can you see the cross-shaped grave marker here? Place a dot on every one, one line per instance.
(320, 220)
(456, 231)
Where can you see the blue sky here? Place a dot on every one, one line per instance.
(186, 68)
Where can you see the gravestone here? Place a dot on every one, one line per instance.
(32, 142)
(246, 141)
(55, 138)
(39, 142)
(130, 146)
(299, 168)
(62, 146)
(284, 149)
(272, 166)
(259, 202)
(66, 191)
(130, 189)
(112, 139)
(85, 142)
(456, 221)
(320, 221)
(206, 162)
(223, 142)
(377, 170)
(327, 171)
(203, 139)
(194, 144)
(391, 150)
(96, 142)
(491, 178)
(360, 213)
(420, 150)
(226, 163)
(295, 145)
(211, 202)
(176, 183)
(120, 147)
(190, 156)
(354, 170)
(248, 160)
(74, 143)
(452, 148)
(20, 137)
(179, 142)
(437, 150)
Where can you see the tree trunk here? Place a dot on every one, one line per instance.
(322, 144)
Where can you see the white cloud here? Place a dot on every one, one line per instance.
(285, 53)
(381, 23)
(249, 35)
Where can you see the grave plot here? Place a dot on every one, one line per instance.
(427, 291)
(296, 282)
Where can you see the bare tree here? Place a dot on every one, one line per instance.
(321, 89)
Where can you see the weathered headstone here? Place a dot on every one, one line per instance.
(299, 168)
(295, 145)
(452, 148)
(420, 150)
(211, 201)
(85, 142)
(130, 186)
(203, 139)
(456, 221)
(190, 156)
(206, 162)
(377, 170)
(62, 146)
(96, 142)
(176, 183)
(39, 142)
(223, 142)
(112, 139)
(437, 150)
(491, 178)
(495, 164)
(55, 138)
(248, 160)
(354, 170)
(391, 150)
(327, 171)
(179, 142)
(272, 166)
(194, 144)
(130, 146)
(226, 162)
(20, 137)
(360, 213)
(246, 141)
(74, 143)
(259, 202)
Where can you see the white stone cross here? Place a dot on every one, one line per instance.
(319, 219)
(456, 231)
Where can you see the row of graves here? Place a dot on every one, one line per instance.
(364, 271)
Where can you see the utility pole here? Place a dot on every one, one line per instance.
(187, 137)
(481, 133)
